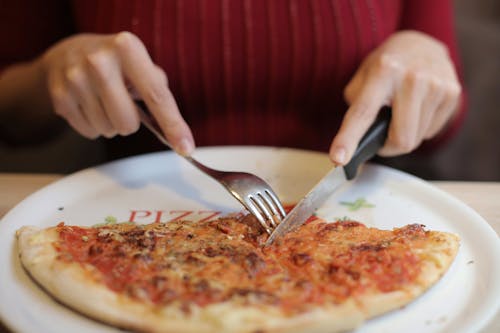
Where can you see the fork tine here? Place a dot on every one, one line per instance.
(258, 200)
(270, 204)
(276, 202)
(250, 204)
(260, 211)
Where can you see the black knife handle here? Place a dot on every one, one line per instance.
(371, 142)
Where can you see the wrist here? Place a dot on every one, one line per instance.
(25, 106)
(19, 85)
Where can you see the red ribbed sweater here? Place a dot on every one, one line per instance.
(267, 72)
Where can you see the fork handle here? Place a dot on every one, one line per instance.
(371, 142)
(150, 122)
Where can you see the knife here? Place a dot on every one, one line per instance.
(369, 145)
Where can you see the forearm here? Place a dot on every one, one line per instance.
(25, 106)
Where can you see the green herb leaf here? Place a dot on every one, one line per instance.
(110, 219)
(342, 219)
(357, 205)
(107, 221)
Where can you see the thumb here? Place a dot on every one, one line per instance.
(358, 119)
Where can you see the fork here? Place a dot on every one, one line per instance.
(251, 191)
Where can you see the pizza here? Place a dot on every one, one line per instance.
(217, 276)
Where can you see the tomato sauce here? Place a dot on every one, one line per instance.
(214, 261)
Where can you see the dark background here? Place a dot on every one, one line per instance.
(474, 154)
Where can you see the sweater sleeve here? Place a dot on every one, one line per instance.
(436, 18)
(29, 27)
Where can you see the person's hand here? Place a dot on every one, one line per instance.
(413, 73)
(89, 78)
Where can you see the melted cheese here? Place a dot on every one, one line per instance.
(214, 261)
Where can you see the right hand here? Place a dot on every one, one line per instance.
(89, 78)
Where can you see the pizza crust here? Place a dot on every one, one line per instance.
(76, 288)
(438, 254)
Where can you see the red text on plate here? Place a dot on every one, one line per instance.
(163, 216)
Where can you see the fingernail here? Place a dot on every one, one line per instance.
(185, 147)
(339, 155)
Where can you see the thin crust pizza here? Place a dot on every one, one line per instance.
(216, 276)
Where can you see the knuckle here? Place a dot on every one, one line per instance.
(99, 62)
(349, 92)
(387, 63)
(453, 90)
(74, 75)
(90, 135)
(88, 132)
(362, 112)
(128, 127)
(157, 94)
(162, 76)
(62, 111)
(429, 135)
(435, 84)
(56, 91)
(403, 143)
(125, 41)
(109, 134)
(59, 99)
(55, 87)
(417, 78)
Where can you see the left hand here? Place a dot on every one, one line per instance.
(412, 72)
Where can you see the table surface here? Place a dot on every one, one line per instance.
(483, 197)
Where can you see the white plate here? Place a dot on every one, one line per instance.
(162, 186)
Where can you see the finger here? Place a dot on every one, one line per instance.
(66, 106)
(406, 109)
(151, 83)
(444, 112)
(88, 100)
(359, 117)
(116, 100)
(432, 100)
(354, 86)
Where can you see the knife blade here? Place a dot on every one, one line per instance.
(312, 201)
(369, 145)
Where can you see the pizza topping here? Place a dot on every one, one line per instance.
(208, 262)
